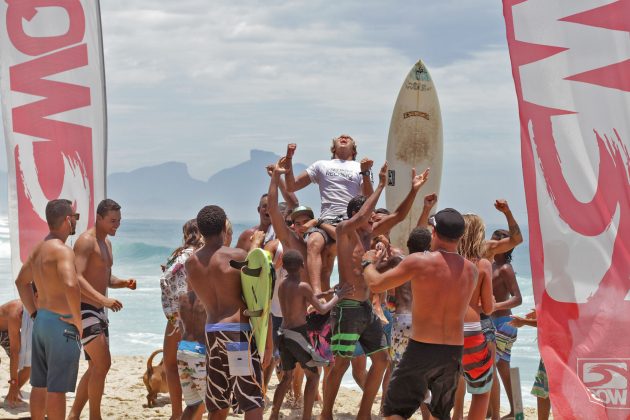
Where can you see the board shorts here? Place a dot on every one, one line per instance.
(487, 326)
(477, 359)
(541, 384)
(387, 329)
(334, 221)
(4, 342)
(295, 348)
(233, 366)
(26, 340)
(191, 365)
(276, 321)
(354, 321)
(319, 329)
(506, 336)
(424, 366)
(55, 354)
(94, 323)
(401, 333)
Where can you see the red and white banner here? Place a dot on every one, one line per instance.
(571, 67)
(52, 84)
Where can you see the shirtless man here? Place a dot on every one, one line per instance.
(508, 296)
(339, 179)
(16, 333)
(191, 355)
(94, 262)
(218, 286)
(401, 330)
(442, 283)
(294, 345)
(264, 224)
(353, 319)
(57, 327)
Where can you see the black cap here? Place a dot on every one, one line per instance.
(448, 223)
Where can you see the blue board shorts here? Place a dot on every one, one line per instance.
(55, 354)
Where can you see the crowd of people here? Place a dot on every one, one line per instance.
(435, 321)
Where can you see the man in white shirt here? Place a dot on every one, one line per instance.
(339, 179)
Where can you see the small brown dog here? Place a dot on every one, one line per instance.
(154, 379)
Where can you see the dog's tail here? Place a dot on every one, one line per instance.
(150, 361)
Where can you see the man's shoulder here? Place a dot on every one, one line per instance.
(226, 253)
(87, 238)
(506, 269)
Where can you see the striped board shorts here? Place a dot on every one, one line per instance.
(506, 337)
(541, 385)
(477, 359)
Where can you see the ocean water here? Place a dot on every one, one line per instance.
(140, 246)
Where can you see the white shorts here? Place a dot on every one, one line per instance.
(191, 364)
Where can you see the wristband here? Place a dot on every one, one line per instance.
(12, 381)
(365, 173)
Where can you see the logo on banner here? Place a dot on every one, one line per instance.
(607, 380)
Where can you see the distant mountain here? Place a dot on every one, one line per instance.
(167, 191)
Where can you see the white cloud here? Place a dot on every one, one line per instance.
(204, 82)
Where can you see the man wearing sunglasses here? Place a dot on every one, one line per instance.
(57, 326)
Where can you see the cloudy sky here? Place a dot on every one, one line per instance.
(204, 82)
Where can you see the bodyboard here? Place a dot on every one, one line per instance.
(257, 278)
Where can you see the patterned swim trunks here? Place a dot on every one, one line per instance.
(401, 332)
(191, 364)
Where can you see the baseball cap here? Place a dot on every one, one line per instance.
(302, 210)
(449, 223)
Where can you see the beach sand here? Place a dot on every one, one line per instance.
(125, 396)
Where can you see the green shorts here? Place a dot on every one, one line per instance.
(352, 322)
(55, 353)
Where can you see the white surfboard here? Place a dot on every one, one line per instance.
(415, 141)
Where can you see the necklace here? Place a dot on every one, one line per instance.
(447, 252)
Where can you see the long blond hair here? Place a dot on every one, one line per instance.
(472, 245)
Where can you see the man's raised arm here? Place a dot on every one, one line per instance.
(302, 180)
(388, 222)
(366, 180)
(500, 246)
(429, 202)
(277, 218)
(364, 214)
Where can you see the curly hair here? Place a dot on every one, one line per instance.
(473, 242)
(419, 240)
(501, 234)
(355, 205)
(354, 146)
(192, 237)
(292, 261)
(211, 221)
